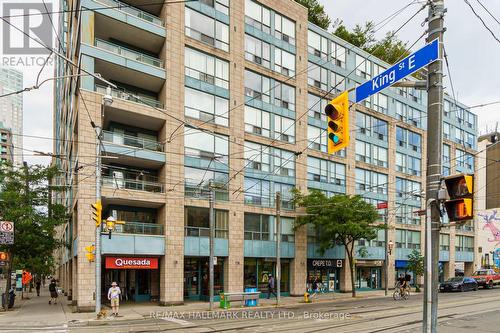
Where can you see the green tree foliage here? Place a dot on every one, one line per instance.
(316, 14)
(390, 48)
(24, 200)
(416, 264)
(341, 219)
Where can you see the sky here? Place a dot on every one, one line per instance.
(474, 59)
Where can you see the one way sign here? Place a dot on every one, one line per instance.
(405, 67)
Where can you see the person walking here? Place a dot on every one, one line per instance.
(37, 286)
(315, 287)
(270, 286)
(53, 291)
(114, 296)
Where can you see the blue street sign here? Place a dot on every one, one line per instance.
(405, 67)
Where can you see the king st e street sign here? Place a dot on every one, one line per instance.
(409, 65)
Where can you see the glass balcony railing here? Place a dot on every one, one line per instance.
(130, 96)
(133, 141)
(204, 232)
(128, 53)
(137, 228)
(133, 11)
(132, 184)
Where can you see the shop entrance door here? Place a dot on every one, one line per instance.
(142, 285)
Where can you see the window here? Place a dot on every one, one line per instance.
(401, 162)
(257, 16)
(206, 146)
(206, 107)
(220, 5)
(407, 239)
(197, 222)
(284, 129)
(464, 243)
(469, 161)
(446, 171)
(284, 96)
(325, 171)
(380, 103)
(460, 136)
(263, 227)
(257, 157)
(339, 55)
(371, 126)
(284, 162)
(370, 181)
(338, 82)
(414, 166)
(444, 242)
(401, 137)
(408, 139)
(460, 157)
(257, 51)
(316, 106)
(206, 68)
(414, 117)
(400, 110)
(405, 215)
(363, 68)
(206, 29)
(197, 180)
(316, 138)
(284, 62)
(317, 76)
(470, 140)
(257, 121)
(286, 195)
(317, 44)
(379, 156)
(446, 153)
(284, 29)
(415, 141)
(257, 192)
(363, 152)
(257, 86)
(446, 131)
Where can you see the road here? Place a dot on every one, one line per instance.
(458, 312)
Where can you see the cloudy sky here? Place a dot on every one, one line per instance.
(474, 57)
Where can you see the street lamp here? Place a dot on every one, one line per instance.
(391, 245)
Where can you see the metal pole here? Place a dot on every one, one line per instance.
(428, 269)
(98, 229)
(386, 278)
(211, 198)
(433, 177)
(278, 247)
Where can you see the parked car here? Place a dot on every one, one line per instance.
(486, 278)
(458, 283)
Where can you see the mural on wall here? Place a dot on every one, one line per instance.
(489, 223)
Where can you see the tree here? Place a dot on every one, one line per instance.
(24, 200)
(341, 219)
(416, 265)
(316, 13)
(361, 36)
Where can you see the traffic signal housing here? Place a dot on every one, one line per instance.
(460, 189)
(89, 252)
(337, 112)
(97, 213)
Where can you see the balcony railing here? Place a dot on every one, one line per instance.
(130, 96)
(133, 11)
(132, 184)
(204, 232)
(133, 141)
(128, 53)
(137, 228)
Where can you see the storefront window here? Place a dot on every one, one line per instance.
(368, 278)
(196, 283)
(256, 274)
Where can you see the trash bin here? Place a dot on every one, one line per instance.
(251, 302)
(224, 302)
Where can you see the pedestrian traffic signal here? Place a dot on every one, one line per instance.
(4, 256)
(90, 252)
(460, 189)
(337, 112)
(97, 213)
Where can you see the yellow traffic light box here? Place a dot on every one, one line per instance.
(97, 213)
(460, 189)
(89, 252)
(337, 112)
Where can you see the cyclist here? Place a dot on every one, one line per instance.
(401, 283)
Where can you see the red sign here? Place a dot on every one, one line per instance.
(420, 212)
(131, 263)
(382, 205)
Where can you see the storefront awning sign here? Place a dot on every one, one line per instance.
(131, 263)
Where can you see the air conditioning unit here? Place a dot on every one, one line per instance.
(257, 59)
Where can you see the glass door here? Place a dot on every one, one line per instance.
(143, 285)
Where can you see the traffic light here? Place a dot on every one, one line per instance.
(460, 189)
(337, 112)
(4, 256)
(90, 252)
(97, 213)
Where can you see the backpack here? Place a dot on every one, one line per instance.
(52, 287)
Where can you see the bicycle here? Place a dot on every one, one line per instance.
(398, 294)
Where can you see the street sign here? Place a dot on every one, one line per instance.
(6, 226)
(405, 67)
(215, 261)
(6, 238)
(382, 205)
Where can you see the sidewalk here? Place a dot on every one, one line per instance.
(138, 311)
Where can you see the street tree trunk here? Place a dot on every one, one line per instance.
(349, 251)
(8, 283)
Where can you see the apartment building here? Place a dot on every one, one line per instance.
(233, 92)
(6, 149)
(11, 110)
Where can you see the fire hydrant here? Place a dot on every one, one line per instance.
(306, 298)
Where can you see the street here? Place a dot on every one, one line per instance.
(458, 312)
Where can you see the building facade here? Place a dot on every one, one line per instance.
(11, 109)
(233, 92)
(6, 148)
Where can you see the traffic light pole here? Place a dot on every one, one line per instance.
(433, 177)
(211, 199)
(278, 247)
(98, 227)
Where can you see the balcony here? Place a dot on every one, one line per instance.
(128, 53)
(370, 252)
(130, 96)
(134, 238)
(337, 252)
(132, 184)
(196, 242)
(465, 256)
(133, 11)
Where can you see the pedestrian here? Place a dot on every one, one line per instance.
(270, 286)
(114, 296)
(315, 287)
(37, 286)
(53, 291)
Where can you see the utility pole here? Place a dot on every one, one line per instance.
(386, 277)
(98, 228)
(211, 198)
(434, 147)
(278, 247)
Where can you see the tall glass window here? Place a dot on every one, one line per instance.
(284, 96)
(284, 62)
(317, 45)
(206, 107)
(207, 68)
(257, 121)
(206, 29)
(257, 51)
(257, 86)
(257, 16)
(284, 28)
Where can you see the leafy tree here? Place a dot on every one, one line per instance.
(361, 36)
(24, 200)
(341, 219)
(416, 265)
(316, 13)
